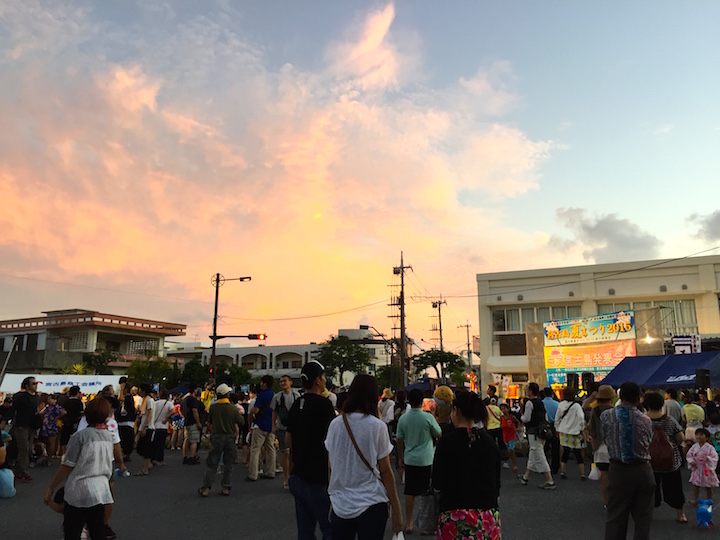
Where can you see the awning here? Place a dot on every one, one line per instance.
(634, 368)
(668, 371)
(506, 364)
(678, 370)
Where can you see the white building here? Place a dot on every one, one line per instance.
(278, 360)
(685, 291)
(61, 338)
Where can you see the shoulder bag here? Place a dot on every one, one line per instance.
(357, 448)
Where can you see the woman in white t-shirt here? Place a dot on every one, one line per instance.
(361, 478)
(164, 408)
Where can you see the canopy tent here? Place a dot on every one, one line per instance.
(669, 371)
(678, 370)
(634, 368)
(423, 384)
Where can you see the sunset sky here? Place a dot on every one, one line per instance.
(147, 145)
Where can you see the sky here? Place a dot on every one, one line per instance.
(146, 146)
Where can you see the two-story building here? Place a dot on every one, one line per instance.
(61, 338)
(684, 293)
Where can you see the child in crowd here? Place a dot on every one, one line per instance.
(702, 460)
(510, 425)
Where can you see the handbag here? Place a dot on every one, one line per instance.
(594, 473)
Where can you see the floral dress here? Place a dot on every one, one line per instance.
(480, 524)
(50, 426)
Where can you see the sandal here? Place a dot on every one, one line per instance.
(225, 492)
(583, 477)
(203, 492)
(563, 476)
(141, 473)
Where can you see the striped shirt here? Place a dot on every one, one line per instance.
(627, 433)
(90, 454)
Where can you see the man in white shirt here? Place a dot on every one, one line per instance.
(281, 404)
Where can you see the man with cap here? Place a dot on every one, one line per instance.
(307, 427)
(226, 422)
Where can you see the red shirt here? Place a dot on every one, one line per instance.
(508, 428)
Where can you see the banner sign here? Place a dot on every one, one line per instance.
(618, 326)
(599, 359)
(48, 384)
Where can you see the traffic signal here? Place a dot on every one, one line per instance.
(257, 336)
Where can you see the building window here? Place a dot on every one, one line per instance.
(543, 314)
(559, 313)
(528, 316)
(678, 316)
(574, 312)
(498, 316)
(32, 342)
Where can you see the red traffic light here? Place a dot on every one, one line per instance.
(257, 336)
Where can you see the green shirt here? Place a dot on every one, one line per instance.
(417, 429)
(223, 417)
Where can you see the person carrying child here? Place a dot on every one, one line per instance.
(702, 460)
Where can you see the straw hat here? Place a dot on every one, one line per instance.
(387, 393)
(606, 392)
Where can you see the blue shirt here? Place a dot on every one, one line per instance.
(263, 419)
(551, 407)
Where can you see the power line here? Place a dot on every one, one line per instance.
(306, 316)
(604, 278)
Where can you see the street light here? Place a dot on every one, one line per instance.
(218, 280)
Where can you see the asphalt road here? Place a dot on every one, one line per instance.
(166, 505)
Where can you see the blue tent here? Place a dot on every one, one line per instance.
(634, 368)
(668, 371)
(678, 370)
(423, 384)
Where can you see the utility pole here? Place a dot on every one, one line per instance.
(400, 270)
(218, 280)
(438, 305)
(466, 326)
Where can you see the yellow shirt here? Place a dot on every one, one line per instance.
(493, 422)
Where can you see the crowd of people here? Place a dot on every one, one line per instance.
(336, 452)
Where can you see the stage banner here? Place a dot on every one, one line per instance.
(618, 326)
(599, 359)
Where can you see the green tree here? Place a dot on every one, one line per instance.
(76, 369)
(444, 363)
(146, 370)
(194, 372)
(98, 361)
(232, 375)
(340, 354)
(389, 376)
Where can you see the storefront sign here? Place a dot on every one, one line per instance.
(618, 326)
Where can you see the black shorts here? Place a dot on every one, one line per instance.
(604, 467)
(417, 479)
(145, 444)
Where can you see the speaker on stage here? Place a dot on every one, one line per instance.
(587, 380)
(702, 378)
(573, 380)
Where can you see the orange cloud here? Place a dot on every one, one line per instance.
(155, 173)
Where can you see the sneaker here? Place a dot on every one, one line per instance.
(109, 533)
(278, 470)
(185, 461)
(249, 479)
(547, 485)
(506, 466)
(522, 479)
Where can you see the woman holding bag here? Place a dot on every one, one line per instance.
(361, 479)
(466, 471)
(570, 425)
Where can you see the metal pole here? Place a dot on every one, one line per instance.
(403, 337)
(7, 360)
(215, 316)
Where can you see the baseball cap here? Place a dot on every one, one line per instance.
(222, 389)
(311, 371)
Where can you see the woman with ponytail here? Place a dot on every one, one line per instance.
(466, 471)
